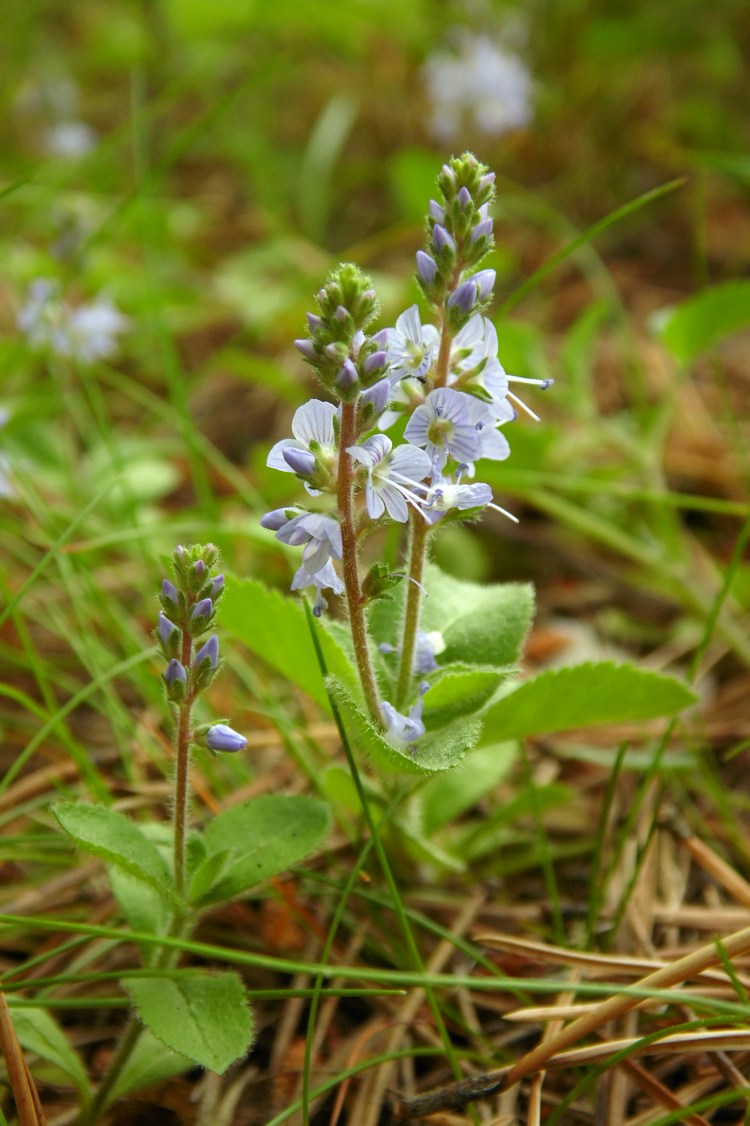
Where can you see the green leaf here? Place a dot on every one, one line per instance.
(458, 691)
(149, 1062)
(203, 1017)
(432, 753)
(445, 797)
(275, 628)
(115, 839)
(262, 837)
(144, 908)
(703, 321)
(37, 1032)
(584, 695)
(480, 624)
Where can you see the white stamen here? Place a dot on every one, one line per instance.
(523, 406)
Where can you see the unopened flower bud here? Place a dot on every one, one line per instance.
(314, 322)
(301, 462)
(307, 349)
(168, 634)
(426, 267)
(202, 610)
(170, 592)
(175, 679)
(374, 361)
(217, 586)
(442, 239)
(464, 198)
(436, 212)
(377, 396)
(484, 280)
(347, 376)
(278, 518)
(464, 297)
(220, 737)
(208, 651)
(481, 230)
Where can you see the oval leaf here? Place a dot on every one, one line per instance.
(117, 840)
(258, 839)
(205, 1018)
(586, 695)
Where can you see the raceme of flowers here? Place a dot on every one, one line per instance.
(447, 383)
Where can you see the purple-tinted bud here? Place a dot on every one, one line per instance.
(347, 376)
(223, 738)
(200, 568)
(448, 173)
(442, 239)
(175, 673)
(209, 650)
(314, 322)
(307, 349)
(463, 298)
(381, 338)
(300, 461)
(217, 586)
(341, 314)
(275, 520)
(426, 267)
(437, 212)
(170, 592)
(486, 182)
(464, 198)
(481, 230)
(180, 552)
(165, 628)
(484, 280)
(374, 361)
(378, 395)
(202, 609)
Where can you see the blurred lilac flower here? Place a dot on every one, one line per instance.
(483, 85)
(86, 333)
(392, 476)
(443, 426)
(69, 140)
(403, 729)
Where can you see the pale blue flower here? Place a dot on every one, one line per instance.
(443, 426)
(314, 437)
(320, 535)
(324, 579)
(392, 476)
(411, 346)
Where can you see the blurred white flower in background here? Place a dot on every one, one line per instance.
(483, 84)
(87, 333)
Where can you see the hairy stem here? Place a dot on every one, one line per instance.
(182, 770)
(357, 623)
(417, 558)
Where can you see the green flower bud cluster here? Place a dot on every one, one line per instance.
(188, 614)
(459, 235)
(345, 358)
